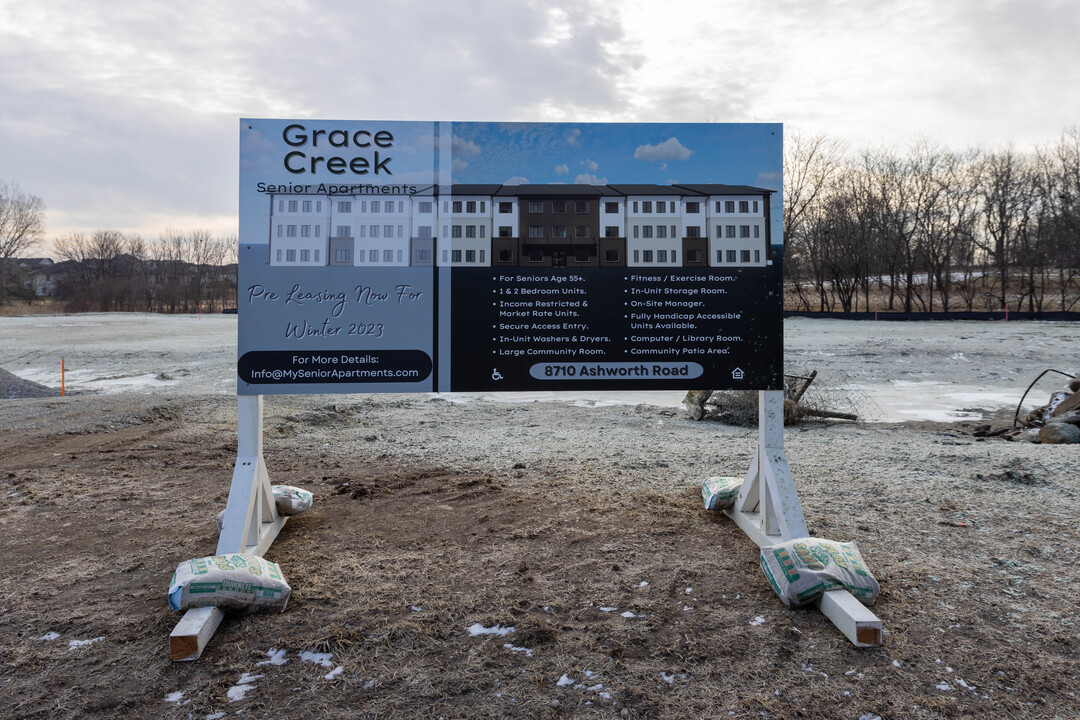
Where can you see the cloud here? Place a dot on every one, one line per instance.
(463, 148)
(663, 166)
(561, 169)
(590, 164)
(516, 180)
(572, 136)
(670, 149)
(458, 165)
(589, 179)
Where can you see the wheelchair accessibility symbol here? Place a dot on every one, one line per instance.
(496, 375)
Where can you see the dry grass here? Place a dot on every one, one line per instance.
(42, 306)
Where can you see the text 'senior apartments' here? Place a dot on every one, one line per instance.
(704, 225)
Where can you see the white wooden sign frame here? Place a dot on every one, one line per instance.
(251, 523)
(768, 510)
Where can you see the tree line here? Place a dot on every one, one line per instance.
(108, 270)
(180, 272)
(926, 228)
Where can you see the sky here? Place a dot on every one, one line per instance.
(129, 120)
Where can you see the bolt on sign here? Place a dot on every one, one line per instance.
(382, 256)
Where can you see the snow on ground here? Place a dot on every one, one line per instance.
(277, 657)
(478, 629)
(82, 643)
(941, 370)
(321, 659)
(243, 686)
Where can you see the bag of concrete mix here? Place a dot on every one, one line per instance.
(803, 569)
(291, 500)
(288, 500)
(234, 581)
(720, 493)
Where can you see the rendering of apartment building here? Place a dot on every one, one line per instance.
(555, 225)
(465, 219)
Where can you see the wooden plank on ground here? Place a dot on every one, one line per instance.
(189, 637)
(851, 617)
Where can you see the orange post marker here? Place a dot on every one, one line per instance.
(61, 377)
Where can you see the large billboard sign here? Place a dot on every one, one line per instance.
(436, 256)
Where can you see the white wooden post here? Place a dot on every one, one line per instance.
(251, 523)
(768, 511)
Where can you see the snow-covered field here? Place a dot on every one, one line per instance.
(911, 370)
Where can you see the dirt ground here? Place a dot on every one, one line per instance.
(554, 520)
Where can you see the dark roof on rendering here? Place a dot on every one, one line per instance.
(464, 189)
(716, 189)
(646, 190)
(553, 190)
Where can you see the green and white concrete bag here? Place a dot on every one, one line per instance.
(804, 569)
(291, 500)
(720, 493)
(231, 582)
(288, 500)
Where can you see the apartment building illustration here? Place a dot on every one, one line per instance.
(550, 225)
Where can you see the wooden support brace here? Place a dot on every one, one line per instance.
(769, 512)
(251, 524)
(862, 627)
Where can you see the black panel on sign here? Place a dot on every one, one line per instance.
(616, 329)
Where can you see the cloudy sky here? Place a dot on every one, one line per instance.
(129, 119)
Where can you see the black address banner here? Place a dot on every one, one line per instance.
(279, 367)
(616, 329)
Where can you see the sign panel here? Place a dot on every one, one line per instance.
(420, 256)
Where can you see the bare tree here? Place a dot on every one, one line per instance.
(810, 161)
(22, 226)
(1005, 188)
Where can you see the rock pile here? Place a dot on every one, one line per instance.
(1055, 423)
(13, 386)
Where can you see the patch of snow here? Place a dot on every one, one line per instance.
(514, 648)
(628, 614)
(416, 608)
(943, 686)
(334, 673)
(49, 636)
(564, 681)
(175, 697)
(79, 643)
(669, 679)
(277, 657)
(689, 590)
(322, 659)
(643, 583)
(961, 683)
(896, 663)
(609, 608)
(215, 716)
(243, 686)
(595, 688)
(478, 629)
(759, 620)
(869, 716)
(605, 695)
(686, 608)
